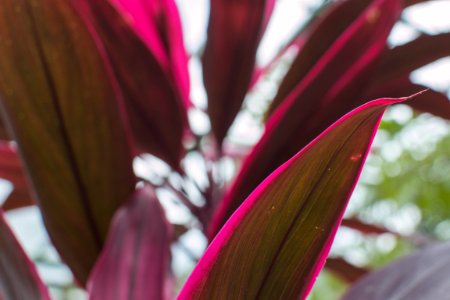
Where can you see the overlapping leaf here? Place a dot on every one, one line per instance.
(156, 108)
(11, 169)
(158, 24)
(136, 259)
(18, 276)
(332, 87)
(275, 244)
(234, 31)
(62, 107)
(422, 275)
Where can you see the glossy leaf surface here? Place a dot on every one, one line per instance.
(136, 259)
(234, 31)
(275, 244)
(422, 275)
(18, 276)
(63, 108)
(333, 87)
(156, 110)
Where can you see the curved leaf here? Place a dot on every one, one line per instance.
(275, 244)
(158, 24)
(18, 276)
(345, 270)
(422, 275)
(155, 107)
(333, 87)
(135, 261)
(234, 31)
(63, 108)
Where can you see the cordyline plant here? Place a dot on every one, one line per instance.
(88, 85)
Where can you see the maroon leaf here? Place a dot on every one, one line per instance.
(156, 109)
(135, 261)
(422, 275)
(275, 244)
(234, 31)
(316, 40)
(332, 87)
(399, 62)
(63, 107)
(18, 276)
(158, 24)
(432, 101)
(11, 170)
(345, 270)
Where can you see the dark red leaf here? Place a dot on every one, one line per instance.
(63, 107)
(155, 106)
(422, 275)
(135, 261)
(275, 244)
(345, 270)
(18, 276)
(332, 87)
(234, 31)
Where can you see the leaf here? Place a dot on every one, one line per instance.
(345, 270)
(18, 276)
(316, 40)
(422, 275)
(432, 101)
(333, 87)
(275, 244)
(234, 31)
(156, 109)
(136, 259)
(11, 169)
(159, 26)
(63, 107)
(399, 62)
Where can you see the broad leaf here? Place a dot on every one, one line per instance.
(63, 108)
(136, 259)
(156, 109)
(275, 244)
(234, 31)
(331, 88)
(422, 275)
(18, 276)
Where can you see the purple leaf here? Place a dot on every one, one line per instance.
(331, 88)
(275, 244)
(64, 109)
(422, 275)
(135, 261)
(18, 276)
(234, 31)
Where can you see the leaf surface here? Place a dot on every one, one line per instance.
(421, 275)
(136, 259)
(234, 31)
(275, 244)
(330, 89)
(64, 110)
(18, 276)
(156, 109)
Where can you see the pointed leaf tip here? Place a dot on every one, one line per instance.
(276, 242)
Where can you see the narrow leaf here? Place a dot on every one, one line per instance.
(18, 276)
(155, 107)
(422, 275)
(345, 270)
(63, 107)
(234, 31)
(158, 24)
(333, 87)
(136, 259)
(275, 244)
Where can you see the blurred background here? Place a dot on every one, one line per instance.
(404, 192)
